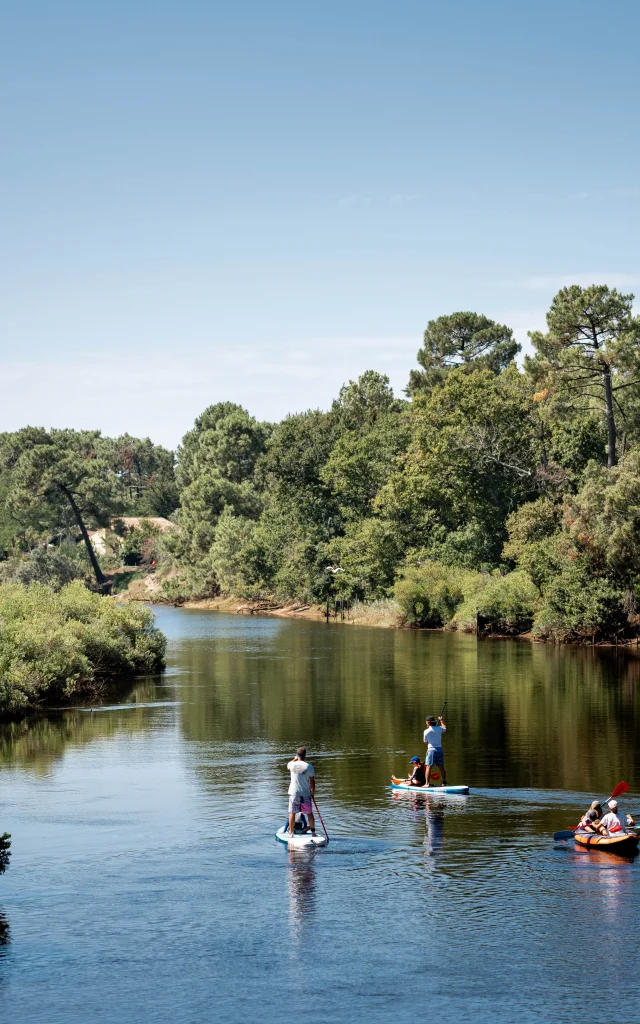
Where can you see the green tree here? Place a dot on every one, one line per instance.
(471, 460)
(590, 353)
(461, 339)
(225, 441)
(146, 472)
(61, 474)
(216, 464)
(363, 402)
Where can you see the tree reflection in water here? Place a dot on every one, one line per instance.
(5, 934)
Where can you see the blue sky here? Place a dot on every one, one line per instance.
(256, 202)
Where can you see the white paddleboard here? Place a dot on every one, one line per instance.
(304, 840)
(460, 790)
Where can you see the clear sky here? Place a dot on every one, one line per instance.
(258, 201)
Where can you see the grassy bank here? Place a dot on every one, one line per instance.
(58, 646)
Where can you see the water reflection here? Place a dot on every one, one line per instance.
(519, 714)
(301, 882)
(5, 934)
(39, 741)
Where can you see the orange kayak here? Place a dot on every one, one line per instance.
(626, 843)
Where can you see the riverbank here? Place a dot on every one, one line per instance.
(383, 614)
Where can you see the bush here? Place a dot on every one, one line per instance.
(506, 604)
(54, 566)
(54, 646)
(429, 594)
(578, 605)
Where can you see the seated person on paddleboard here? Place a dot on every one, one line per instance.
(418, 775)
(433, 739)
(301, 790)
(615, 822)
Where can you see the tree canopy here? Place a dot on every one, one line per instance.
(496, 494)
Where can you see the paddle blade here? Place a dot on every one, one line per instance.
(622, 787)
(567, 834)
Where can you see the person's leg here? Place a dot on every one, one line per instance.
(312, 822)
(429, 764)
(294, 808)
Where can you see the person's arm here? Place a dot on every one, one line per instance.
(312, 785)
(630, 820)
(441, 720)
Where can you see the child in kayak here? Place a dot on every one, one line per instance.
(418, 775)
(615, 822)
(301, 790)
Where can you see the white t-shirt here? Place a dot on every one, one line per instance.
(612, 820)
(300, 785)
(433, 736)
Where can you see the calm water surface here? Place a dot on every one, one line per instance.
(146, 886)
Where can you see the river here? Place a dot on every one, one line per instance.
(146, 885)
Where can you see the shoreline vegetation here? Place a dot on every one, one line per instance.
(56, 647)
(385, 613)
(491, 498)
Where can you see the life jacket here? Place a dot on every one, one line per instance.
(419, 775)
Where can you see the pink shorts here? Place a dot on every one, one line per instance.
(297, 805)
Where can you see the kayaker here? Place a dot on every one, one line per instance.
(590, 822)
(301, 790)
(418, 776)
(433, 739)
(615, 822)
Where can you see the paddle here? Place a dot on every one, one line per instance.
(567, 833)
(320, 816)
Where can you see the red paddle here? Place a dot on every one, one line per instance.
(320, 816)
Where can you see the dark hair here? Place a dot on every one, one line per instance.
(431, 720)
(301, 751)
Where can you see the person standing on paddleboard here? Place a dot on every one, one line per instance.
(302, 789)
(433, 739)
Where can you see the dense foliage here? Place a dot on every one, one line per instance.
(494, 498)
(56, 645)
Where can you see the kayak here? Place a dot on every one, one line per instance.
(460, 790)
(302, 841)
(626, 843)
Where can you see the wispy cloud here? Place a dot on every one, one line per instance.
(544, 282)
(153, 394)
(354, 201)
(402, 199)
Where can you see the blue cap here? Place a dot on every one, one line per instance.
(415, 759)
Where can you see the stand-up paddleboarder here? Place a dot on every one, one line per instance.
(302, 789)
(433, 739)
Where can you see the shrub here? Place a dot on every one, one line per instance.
(504, 603)
(54, 566)
(578, 605)
(54, 646)
(429, 594)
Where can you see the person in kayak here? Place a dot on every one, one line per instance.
(418, 775)
(433, 739)
(301, 790)
(590, 822)
(615, 822)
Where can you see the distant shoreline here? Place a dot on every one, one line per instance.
(361, 615)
